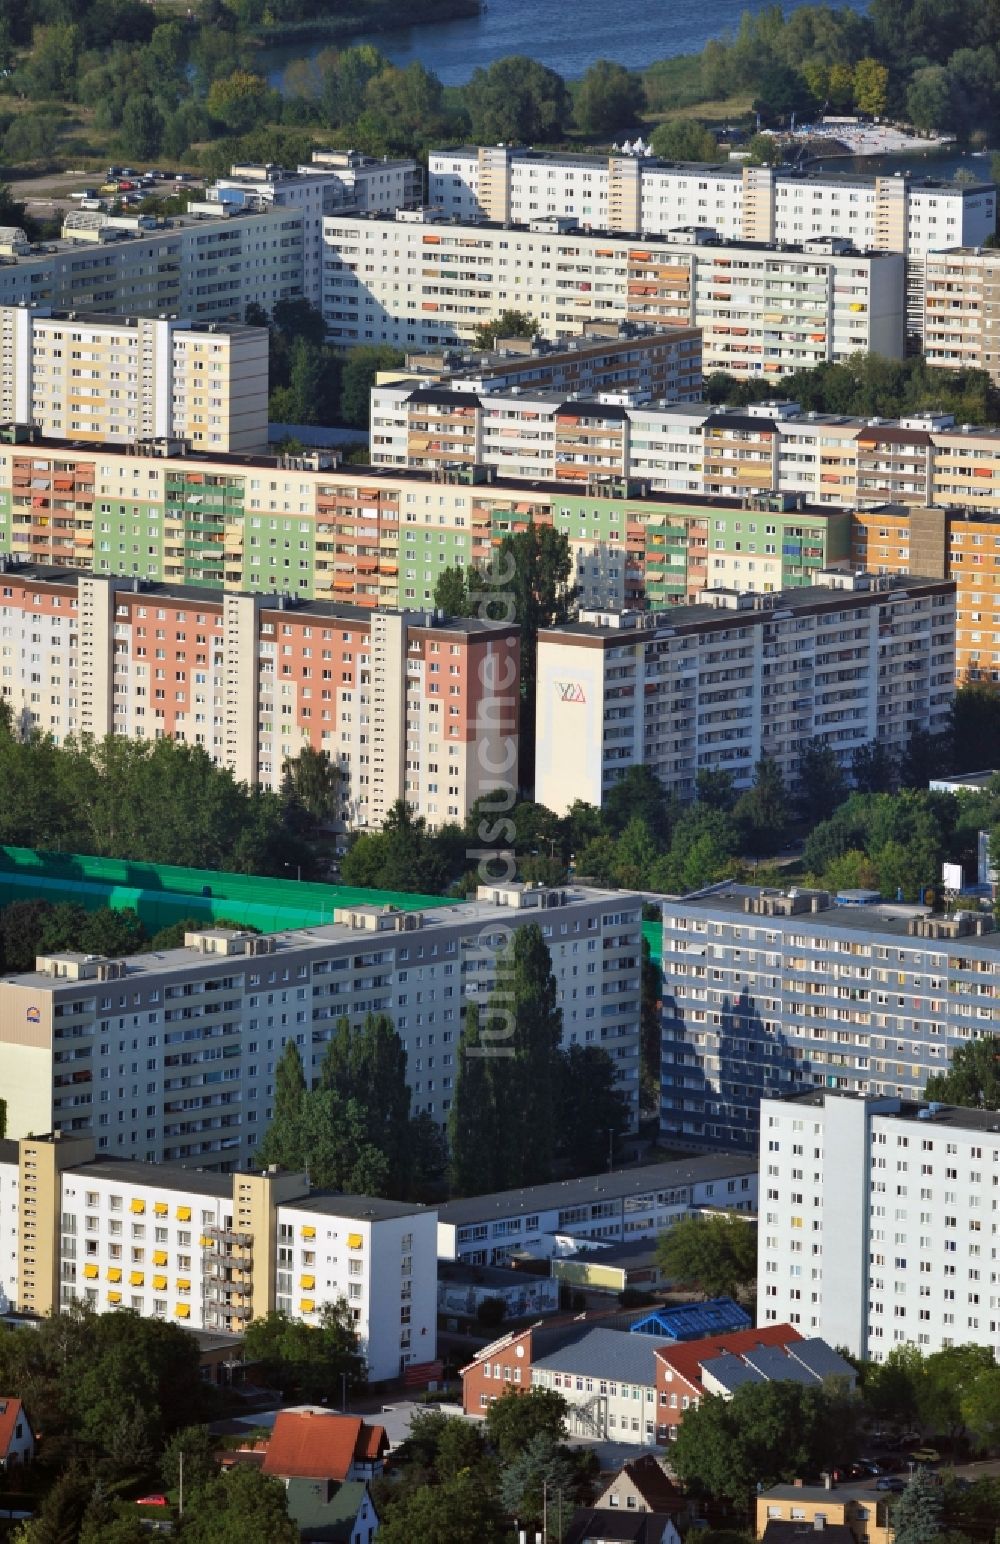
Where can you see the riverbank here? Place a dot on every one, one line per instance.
(383, 16)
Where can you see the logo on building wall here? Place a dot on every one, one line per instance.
(34, 1015)
(570, 691)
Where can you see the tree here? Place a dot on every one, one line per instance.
(197, 1447)
(509, 324)
(591, 1110)
(459, 1510)
(31, 137)
(61, 1513)
(973, 1078)
(684, 139)
(516, 99)
(871, 87)
(929, 100)
(142, 127)
(608, 99)
(513, 1420)
(764, 150)
(361, 366)
(873, 769)
(367, 1067)
(766, 1433)
(289, 1085)
(916, 1517)
(451, 593)
(522, 1030)
(314, 782)
(716, 1254)
(236, 100)
(821, 785)
(304, 1360)
(541, 1465)
(242, 1506)
(762, 812)
(638, 795)
(980, 1407)
(473, 1115)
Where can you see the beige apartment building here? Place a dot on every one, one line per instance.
(962, 310)
(89, 377)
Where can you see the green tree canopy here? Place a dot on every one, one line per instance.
(717, 1255)
(242, 1506)
(307, 1361)
(516, 99)
(608, 99)
(973, 1078)
(516, 1418)
(684, 139)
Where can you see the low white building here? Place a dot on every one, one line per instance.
(878, 1222)
(623, 1206)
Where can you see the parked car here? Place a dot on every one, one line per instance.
(926, 1455)
(890, 1482)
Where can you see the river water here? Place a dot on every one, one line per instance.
(567, 35)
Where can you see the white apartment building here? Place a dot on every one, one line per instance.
(408, 705)
(736, 677)
(635, 194)
(213, 1251)
(207, 268)
(96, 378)
(615, 1208)
(171, 1056)
(333, 179)
(763, 308)
(878, 1223)
(742, 203)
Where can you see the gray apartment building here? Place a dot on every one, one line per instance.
(170, 1056)
(767, 994)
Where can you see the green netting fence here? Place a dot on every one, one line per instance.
(162, 894)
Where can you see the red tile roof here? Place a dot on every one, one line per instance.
(10, 1411)
(314, 1445)
(686, 1360)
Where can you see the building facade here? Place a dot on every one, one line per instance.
(877, 1226)
(767, 994)
(171, 1056)
(208, 268)
(102, 379)
(408, 705)
(721, 684)
(212, 1251)
(763, 309)
(607, 1208)
(332, 180)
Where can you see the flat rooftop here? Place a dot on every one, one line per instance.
(473, 915)
(128, 1171)
(771, 607)
(920, 1112)
(598, 1187)
(175, 224)
(729, 169)
(287, 606)
(886, 919)
(329, 1203)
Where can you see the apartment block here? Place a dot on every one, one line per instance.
(763, 308)
(768, 994)
(170, 1056)
(408, 705)
(722, 683)
(630, 193)
(101, 379)
(213, 1251)
(962, 545)
(207, 268)
(878, 1221)
(633, 194)
(331, 180)
(613, 1208)
(962, 310)
(605, 356)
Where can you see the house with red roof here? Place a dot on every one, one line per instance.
(316, 1444)
(17, 1440)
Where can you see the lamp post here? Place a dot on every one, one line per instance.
(298, 870)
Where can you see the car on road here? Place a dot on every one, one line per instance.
(890, 1482)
